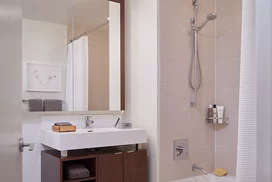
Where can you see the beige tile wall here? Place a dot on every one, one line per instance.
(219, 49)
(177, 119)
(228, 47)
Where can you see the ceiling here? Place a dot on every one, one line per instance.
(88, 13)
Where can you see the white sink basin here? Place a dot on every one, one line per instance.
(93, 138)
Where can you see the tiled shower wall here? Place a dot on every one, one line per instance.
(219, 51)
(228, 51)
(178, 120)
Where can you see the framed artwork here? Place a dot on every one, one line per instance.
(43, 78)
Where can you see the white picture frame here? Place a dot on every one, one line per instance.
(42, 78)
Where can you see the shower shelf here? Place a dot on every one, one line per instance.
(211, 120)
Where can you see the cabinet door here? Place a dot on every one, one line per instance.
(111, 167)
(135, 166)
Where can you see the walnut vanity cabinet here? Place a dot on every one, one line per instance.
(135, 166)
(111, 167)
(104, 167)
(52, 166)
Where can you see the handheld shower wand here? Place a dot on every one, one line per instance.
(210, 17)
(195, 75)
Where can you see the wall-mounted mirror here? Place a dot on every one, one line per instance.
(73, 55)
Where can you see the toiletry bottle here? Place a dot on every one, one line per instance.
(220, 114)
(214, 114)
(210, 113)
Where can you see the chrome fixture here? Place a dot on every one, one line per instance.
(195, 2)
(210, 17)
(197, 168)
(180, 150)
(91, 30)
(22, 145)
(88, 121)
(195, 75)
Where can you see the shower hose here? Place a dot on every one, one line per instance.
(195, 63)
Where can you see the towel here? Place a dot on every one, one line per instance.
(63, 124)
(76, 171)
(35, 105)
(52, 105)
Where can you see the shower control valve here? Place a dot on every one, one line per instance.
(180, 150)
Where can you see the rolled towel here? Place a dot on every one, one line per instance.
(52, 105)
(35, 105)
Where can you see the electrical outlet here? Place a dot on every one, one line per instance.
(181, 149)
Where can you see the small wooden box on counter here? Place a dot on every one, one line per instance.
(63, 128)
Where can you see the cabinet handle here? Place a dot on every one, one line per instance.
(118, 153)
(130, 151)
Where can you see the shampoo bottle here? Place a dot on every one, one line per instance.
(214, 114)
(220, 113)
(210, 113)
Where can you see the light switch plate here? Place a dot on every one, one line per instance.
(184, 145)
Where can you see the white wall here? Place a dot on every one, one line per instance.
(44, 43)
(142, 74)
(115, 56)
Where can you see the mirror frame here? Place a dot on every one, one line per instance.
(123, 54)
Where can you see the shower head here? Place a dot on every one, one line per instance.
(210, 17)
(195, 2)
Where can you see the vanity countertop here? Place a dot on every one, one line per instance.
(93, 138)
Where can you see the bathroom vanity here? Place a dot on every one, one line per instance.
(100, 150)
(104, 166)
(93, 138)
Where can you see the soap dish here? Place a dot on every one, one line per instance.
(124, 125)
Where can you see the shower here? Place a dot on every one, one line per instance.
(194, 76)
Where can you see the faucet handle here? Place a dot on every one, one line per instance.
(180, 150)
(88, 118)
(89, 121)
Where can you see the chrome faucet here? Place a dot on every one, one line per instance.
(198, 168)
(88, 121)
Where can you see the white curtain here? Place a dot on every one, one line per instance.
(254, 134)
(247, 127)
(77, 77)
